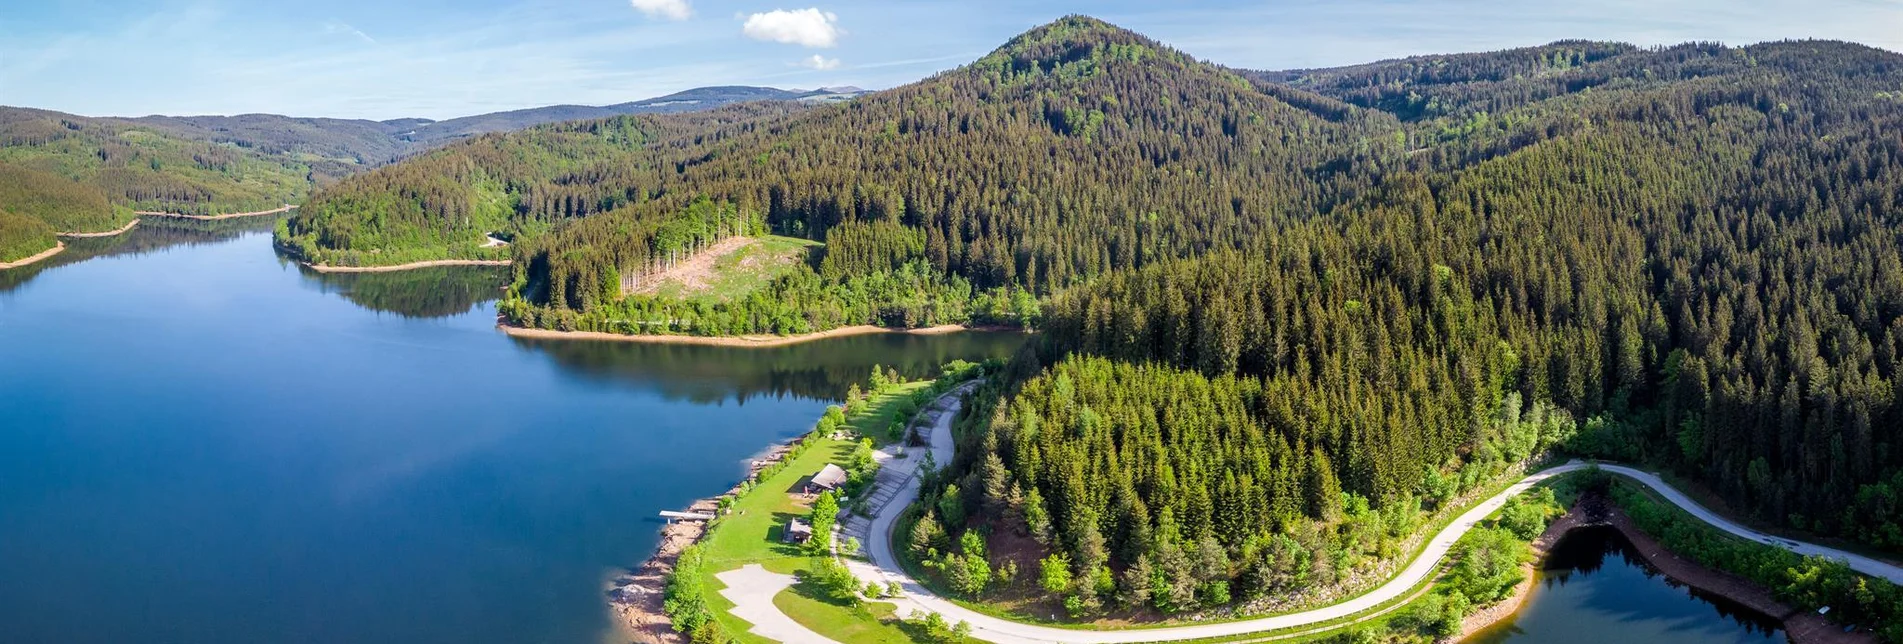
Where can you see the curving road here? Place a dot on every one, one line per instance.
(884, 566)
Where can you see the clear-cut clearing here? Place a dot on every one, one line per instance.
(725, 270)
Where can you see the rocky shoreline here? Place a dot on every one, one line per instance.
(636, 597)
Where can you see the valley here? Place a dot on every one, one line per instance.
(1214, 354)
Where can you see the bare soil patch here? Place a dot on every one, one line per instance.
(698, 272)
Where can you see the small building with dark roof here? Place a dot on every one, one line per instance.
(796, 531)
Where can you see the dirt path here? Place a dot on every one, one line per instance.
(173, 215)
(761, 341)
(695, 273)
(57, 247)
(404, 267)
(108, 233)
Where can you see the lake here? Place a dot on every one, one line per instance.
(201, 442)
(1594, 588)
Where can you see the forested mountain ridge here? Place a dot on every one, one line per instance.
(700, 98)
(1053, 160)
(248, 162)
(1287, 312)
(1685, 256)
(71, 174)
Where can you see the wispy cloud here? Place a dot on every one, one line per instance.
(667, 9)
(340, 27)
(819, 62)
(804, 27)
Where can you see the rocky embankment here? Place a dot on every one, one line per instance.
(636, 597)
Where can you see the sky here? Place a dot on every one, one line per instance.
(383, 59)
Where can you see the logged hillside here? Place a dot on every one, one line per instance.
(1073, 151)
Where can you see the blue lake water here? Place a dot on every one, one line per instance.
(200, 442)
(1594, 588)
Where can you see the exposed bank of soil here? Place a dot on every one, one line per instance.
(109, 233)
(1590, 510)
(1801, 626)
(726, 341)
(57, 247)
(173, 215)
(404, 267)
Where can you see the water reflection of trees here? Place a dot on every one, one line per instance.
(439, 291)
(1585, 552)
(820, 370)
(153, 234)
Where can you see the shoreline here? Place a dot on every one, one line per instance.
(174, 215)
(1800, 626)
(1579, 516)
(109, 233)
(636, 596)
(55, 250)
(322, 268)
(754, 340)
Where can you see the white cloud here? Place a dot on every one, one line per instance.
(805, 27)
(819, 62)
(345, 28)
(669, 9)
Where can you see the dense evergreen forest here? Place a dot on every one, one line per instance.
(1283, 312)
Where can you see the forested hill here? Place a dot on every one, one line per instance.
(248, 162)
(1285, 311)
(1074, 150)
(72, 174)
(1685, 256)
(700, 98)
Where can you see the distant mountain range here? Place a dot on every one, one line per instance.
(70, 173)
(362, 142)
(687, 101)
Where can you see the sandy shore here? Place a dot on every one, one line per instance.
(725, 341)
(1801, 626)
(57, 247)
(109, 233)
(404, 267)
(285, 208)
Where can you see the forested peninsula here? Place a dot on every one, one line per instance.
(62, 174)
(1285, 315)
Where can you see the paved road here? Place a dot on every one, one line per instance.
(751, 589)
(884, 566)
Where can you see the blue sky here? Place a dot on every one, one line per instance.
(437, 59)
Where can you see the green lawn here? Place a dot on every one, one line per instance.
(750, 531)
(866, 623)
